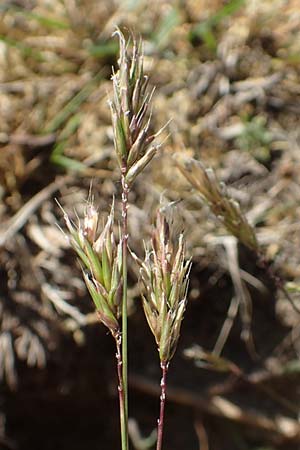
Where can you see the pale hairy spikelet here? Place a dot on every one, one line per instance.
(164, 274)
(130, 106)
(214, 193)
(101, 259)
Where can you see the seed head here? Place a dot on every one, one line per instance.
(164, 274)
(129, 109)
(90, 223)
(214, 193)
(101, 259)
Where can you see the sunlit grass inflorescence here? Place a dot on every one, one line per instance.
(101, 259)
(130, 111)
(214, 193)
(164, 274)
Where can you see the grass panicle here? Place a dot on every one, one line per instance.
(164, 274)
(214, 193)
(130, 105)
(101, 259)
(135, 147)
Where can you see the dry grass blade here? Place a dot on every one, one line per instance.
(230, 81)
(7, 360)
(14, 224)
(56, 297)
(241, 300)
(219, 406)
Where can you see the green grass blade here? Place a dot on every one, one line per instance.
(204, 29)
(103, 50)
(72, 106)
(166, 26)
(25, 50)
(48, 22)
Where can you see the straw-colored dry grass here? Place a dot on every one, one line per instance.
(227, 74)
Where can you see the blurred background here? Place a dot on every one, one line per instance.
(227, 74)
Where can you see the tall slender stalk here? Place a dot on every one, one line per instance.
(104, 261)
(164, 274)
(160, 423)
(135, 148)
(125, 192)
(123, 413)
(101, 258)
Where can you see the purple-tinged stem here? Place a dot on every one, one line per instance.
(277, 280)
(160, 423)
(123, 422)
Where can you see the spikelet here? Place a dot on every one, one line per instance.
(101, 259)
(214, 193)
(164, 274)
(133, 141)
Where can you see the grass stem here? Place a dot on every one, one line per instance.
(160, 424)
(276, 279)
(123, 421)
(125, 192)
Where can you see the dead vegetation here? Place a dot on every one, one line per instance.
(227, 75)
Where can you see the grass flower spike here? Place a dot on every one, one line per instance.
(129, 108)
(134, 147)
(164, 274)
(101, 258)
(104, 261)
(214, 193)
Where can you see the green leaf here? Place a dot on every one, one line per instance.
(45, 21)
(57, 156)
(103, 50)
(25, 49)
(67, 163)
(162, 35)
(73, 105)
(292, 366)
(204, 30)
